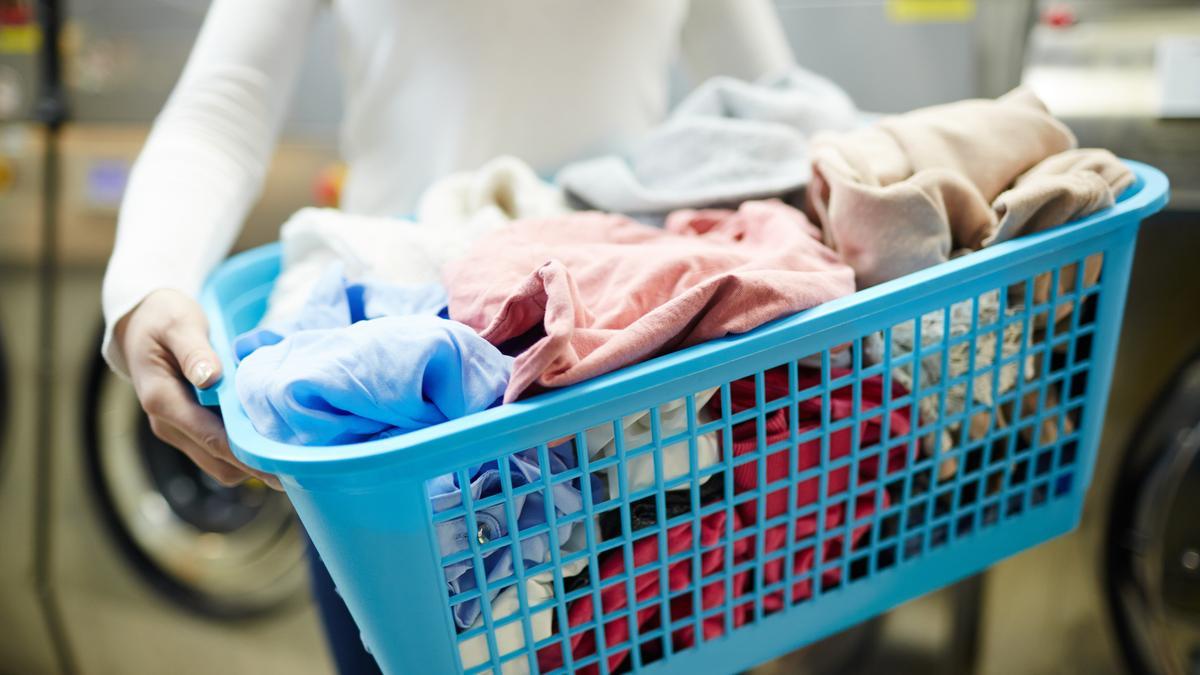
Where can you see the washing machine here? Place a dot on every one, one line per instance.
(118, 556)
(26, 643)
(152, 566)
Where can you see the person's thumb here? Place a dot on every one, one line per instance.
(187, 340)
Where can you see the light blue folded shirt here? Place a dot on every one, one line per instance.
(363, 361)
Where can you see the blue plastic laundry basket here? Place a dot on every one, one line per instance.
(953, 494)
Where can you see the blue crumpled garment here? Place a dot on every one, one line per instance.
(336, 302)
(492, 521)
(365, 361)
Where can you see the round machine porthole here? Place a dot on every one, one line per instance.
(1153, 566)
(223, 551)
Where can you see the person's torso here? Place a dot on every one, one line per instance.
(433, 87)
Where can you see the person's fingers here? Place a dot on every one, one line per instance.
(268, 480)
(186, 338)
(224, 473)
(164, 338)
(170, 401)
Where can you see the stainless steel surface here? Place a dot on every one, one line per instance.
(1099, 77)
(20, 173)
(25, 642)
(138, 582)
(115, 617)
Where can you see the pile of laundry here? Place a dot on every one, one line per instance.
(751, 202)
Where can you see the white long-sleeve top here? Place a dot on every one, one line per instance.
(430, 87)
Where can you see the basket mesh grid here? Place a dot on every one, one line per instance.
(629, 541)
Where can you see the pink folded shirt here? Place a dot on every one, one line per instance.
(609, 291)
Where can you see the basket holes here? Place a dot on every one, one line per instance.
(1043, 463)
(1063, 484)
(1079, 384)
(924, 480)
(980, 425)
(1015, 294)
(960, 316)
(915, 515)
(885, 558)
(889, 526)
(842, 393)
(929, 406)
(1041, 318)
(1038, 496)
(995, 481)
(933, 325)
(1066, 456)
(931, 364)
(991, 514)
(1093, 268)
(812, 361)
(939, 536)
(830, 582)
(867, 470)
(968, 493)
(1020, 473)
(974, 461)
(964, 525)
(902, 338)
(986, 309)
(1049, 430)
(652, 649)
(1015, 505)
(913, 546)
(860, 568)
(896, 487)
(865, 505)
(943, 504)
(958, 394)
(947, 470)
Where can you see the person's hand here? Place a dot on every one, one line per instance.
(165, 343)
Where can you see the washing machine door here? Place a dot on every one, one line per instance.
(223, 551)
(1154, 536)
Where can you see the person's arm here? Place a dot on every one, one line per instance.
(739, 38)
(189, 191)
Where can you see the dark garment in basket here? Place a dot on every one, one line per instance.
(644, 512)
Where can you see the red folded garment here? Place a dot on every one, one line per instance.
(777, 423)
(614, 599)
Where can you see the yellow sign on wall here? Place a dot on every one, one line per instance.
(930, 11)
(20, 39)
